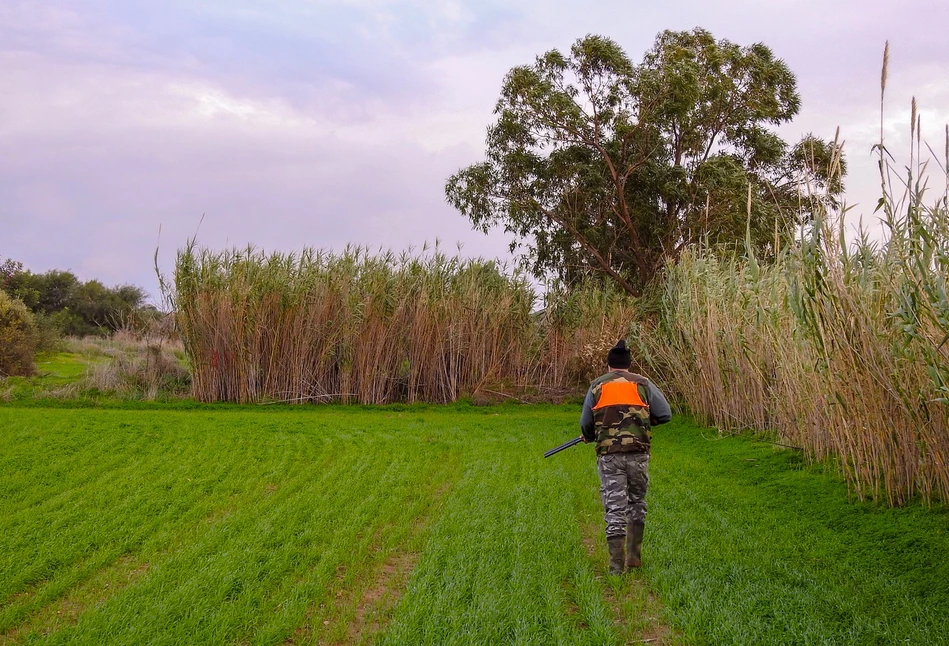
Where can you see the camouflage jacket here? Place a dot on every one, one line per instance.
(619, 410)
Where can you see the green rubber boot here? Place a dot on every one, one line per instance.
(634, 544)
(615, 544)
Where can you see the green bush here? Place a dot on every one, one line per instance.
(73, 307)
(18, 337)
(49, 333)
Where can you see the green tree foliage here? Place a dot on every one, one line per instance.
(605, 168)
(60, 300)
(17, 337)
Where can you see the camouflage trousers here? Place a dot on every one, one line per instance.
(624, 478)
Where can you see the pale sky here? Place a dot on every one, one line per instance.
(293, 123)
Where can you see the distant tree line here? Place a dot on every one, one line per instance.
(63, 304)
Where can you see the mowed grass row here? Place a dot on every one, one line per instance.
(750, 545)
(239, 526)
(429, 525)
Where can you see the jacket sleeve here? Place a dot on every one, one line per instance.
(587, 426)
(659, 410)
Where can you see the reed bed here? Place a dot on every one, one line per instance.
(577, 327)
(839, 347)
(377, 328)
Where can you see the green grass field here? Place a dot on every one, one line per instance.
(428, 525)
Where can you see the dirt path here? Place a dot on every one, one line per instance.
(637, 611)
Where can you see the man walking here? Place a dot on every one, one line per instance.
(618, 411)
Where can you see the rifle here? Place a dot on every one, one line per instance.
(565, 445)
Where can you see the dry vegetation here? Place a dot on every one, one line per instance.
(356, 327)
(839, 347)
(139, 366)
(132, 365)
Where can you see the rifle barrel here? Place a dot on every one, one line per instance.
(565, 445)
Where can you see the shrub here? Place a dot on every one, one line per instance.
(49, 333)
(135, 366)
(18, 337)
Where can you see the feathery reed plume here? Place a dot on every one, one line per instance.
(883, 73)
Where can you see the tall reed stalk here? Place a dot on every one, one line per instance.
(839, 347)
(358, 327)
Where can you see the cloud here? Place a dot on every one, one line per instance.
(92, 173)
(293, 123)
(360, 54)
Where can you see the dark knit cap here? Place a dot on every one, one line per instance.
(619, 355)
